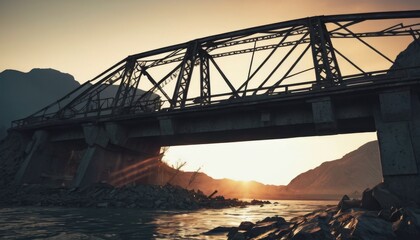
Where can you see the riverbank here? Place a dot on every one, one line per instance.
(103, 195)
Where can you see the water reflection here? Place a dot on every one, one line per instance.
(89, 223)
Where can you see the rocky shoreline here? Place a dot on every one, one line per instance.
(103, 195)
(378, 215)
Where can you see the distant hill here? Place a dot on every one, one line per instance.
(355, 171)
(226, 187)
(21, 94)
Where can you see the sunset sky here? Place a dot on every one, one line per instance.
(83, 38)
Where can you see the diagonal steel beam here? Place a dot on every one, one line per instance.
(152, 80)
(235, 93)
(280, 63)
(265, 60)
(348, 60)
(364, 42)
(155, 86)
(286, 75)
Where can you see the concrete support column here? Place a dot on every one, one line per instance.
(37, 155)
(397, 120)
(89, 167)
(323, 115)
(112, 157)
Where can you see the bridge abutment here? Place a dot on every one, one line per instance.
(397, 119)
(105, 154)
(48, 162)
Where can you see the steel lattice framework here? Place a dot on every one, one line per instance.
(264, 61)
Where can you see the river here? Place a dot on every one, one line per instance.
(95, 223)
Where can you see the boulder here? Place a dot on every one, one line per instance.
(238, 236)
(263, 228)
(407, 227)
(218, 230)
(341, 202)
(385, 198)
(369, 202)
(347, 203)
(369, 226)
(246, 225)
(311, 230)
(232, 232)
(385, 214)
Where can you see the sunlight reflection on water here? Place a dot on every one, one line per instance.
(79, 223)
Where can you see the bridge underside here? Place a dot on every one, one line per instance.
(117, 151)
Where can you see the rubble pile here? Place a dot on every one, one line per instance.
(378, 215)
(103, 195)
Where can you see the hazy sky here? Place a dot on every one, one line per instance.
(84, 38)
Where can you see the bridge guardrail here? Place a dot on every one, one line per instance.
(104, 106)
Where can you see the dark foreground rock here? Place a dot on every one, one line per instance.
(378, 215)
(102, 195)
(331, 223)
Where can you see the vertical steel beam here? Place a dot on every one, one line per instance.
(128, 86)
(205, 92)
(184, 78)
(325, 62)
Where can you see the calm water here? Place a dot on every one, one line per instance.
(83, 223)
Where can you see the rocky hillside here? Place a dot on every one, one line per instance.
(356, 171)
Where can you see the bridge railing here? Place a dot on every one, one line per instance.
(97, 109)
(354, 80)
(103, 107)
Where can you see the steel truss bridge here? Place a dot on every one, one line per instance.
(313, 76)
(297, 57)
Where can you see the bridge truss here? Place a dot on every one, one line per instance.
(293, 57)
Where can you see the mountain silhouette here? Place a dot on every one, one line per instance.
(21, 94)
(356, 171)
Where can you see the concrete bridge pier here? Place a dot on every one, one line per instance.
(397, 120)
(37, 153)
(110, 156)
